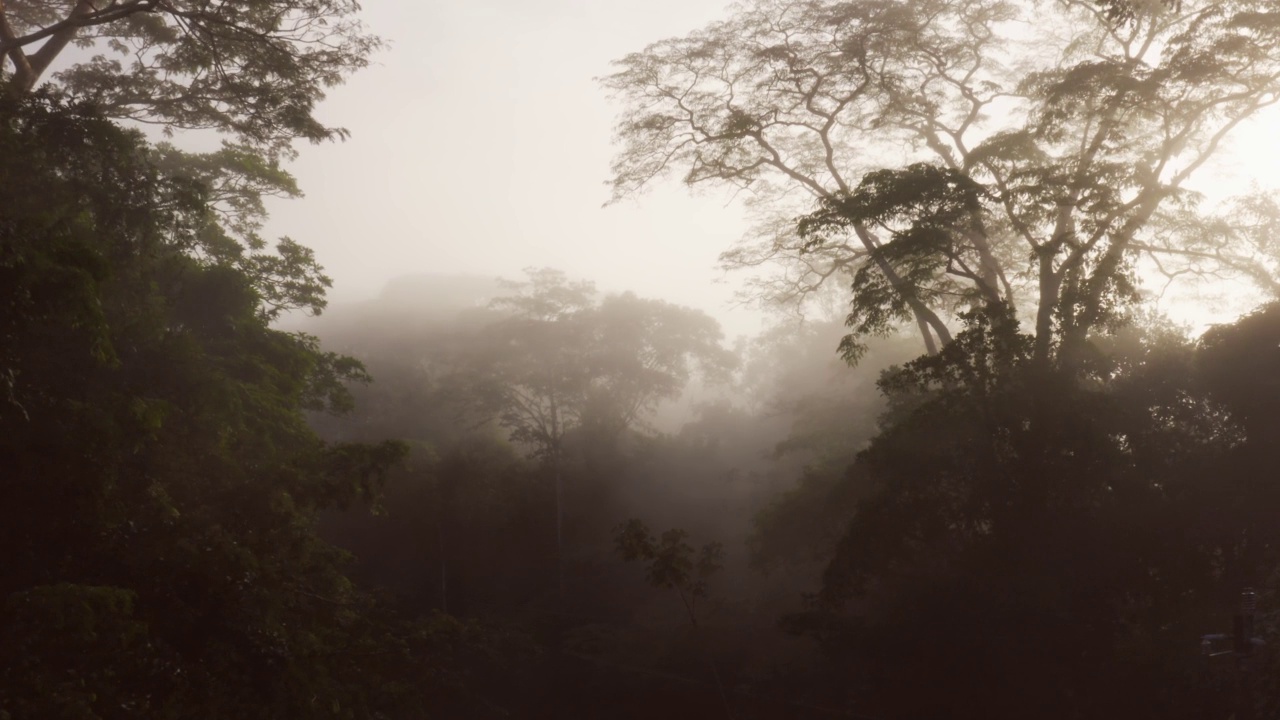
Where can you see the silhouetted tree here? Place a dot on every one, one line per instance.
(161, 483)
(561, 361)
(943, 161)
(1072, 536)
(251, 71)
(670, 565)
(254, 70)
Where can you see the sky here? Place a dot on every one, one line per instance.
(481, 144)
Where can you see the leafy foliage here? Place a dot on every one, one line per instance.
(562, 360)
(670, 561)
(1023, 518)
(954, 155)
(250, 71)
(255, 70)
(161, 481)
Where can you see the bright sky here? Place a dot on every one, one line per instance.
(1250, 159)
(481, 143)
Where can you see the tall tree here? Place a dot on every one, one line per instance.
(642, 352)
(563, 360)
(1072, 537)
(950, 154)
(254, 70)
(161, 482)
(1037, 493)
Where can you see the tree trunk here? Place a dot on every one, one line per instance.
(30, 68)
(926, 319)
(444, 568)
(559, 526)
(1050, 283)
(689, 608)
(930, 346)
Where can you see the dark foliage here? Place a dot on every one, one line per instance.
(161, 483)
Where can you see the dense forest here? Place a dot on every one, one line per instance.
(970, 468)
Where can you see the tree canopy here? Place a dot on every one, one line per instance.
(563, 359)
(1062, 476)
(1050, 513)
(941, 155)
(161, 482)
(254, 70)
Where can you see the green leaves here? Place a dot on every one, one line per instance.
(670, 561)
(235, 180)
(935, 253)
(69, 650)
(290, 279)
(253, 70)
(952, 161)
(159, 503)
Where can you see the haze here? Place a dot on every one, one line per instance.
(865, 359)
(480, 145)
(481, 142)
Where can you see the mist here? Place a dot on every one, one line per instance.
(830, 359)
(496, 516)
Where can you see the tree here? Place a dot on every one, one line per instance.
(561, 361)
(1128, 10)
(954, 154)
(1238, 362)
(1054, 487)
(563, 358)
(670, 562)
(254, 70)
(645, 351)
(458, 529)
(1072, 538)
(250, 71)
(161, 482)
(831, 410)
(670, 565)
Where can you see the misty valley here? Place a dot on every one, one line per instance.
(974, 412)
